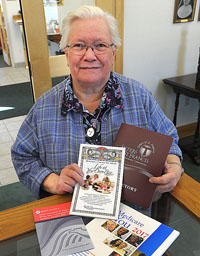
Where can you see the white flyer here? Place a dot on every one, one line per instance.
(103, 174)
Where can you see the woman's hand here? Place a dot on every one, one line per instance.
(171, 176)
(65, 182)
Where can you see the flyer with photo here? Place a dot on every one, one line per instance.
(103, 174)
(131, 234)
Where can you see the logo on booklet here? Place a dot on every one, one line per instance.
(146, 149)
(141, 154)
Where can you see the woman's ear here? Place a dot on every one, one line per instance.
(115, 51)
(66, 54)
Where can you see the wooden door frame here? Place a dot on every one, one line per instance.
(116, 8)
(41, 65)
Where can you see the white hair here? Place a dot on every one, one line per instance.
(84, 12)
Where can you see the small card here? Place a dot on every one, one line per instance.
(59, 233)
(103, 174)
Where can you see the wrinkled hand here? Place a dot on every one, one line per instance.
(65, 182)
(69, 176)
(169, 179)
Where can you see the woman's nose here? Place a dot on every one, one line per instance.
(89, 53)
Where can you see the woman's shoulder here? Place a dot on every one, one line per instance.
(131, 86)
(50, 101)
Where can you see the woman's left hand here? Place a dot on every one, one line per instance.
(169, 179)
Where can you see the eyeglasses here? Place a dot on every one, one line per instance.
(81, 48)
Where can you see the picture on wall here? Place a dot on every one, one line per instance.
(184, 10)
(199, 14)
(59, 2)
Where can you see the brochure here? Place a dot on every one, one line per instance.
(131, 234)
(146, 153)
(59, 233)
(103, 173)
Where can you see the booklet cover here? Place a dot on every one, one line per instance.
(131, 234)
(146, 152)
(59, 233)
(103, 173)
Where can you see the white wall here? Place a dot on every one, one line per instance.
(14, 36)
(155, 48)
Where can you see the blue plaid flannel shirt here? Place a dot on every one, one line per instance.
(48, 141)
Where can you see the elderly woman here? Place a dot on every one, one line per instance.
(87, 107)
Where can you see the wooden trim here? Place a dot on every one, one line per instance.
(186, 130)
(116, 8)
(19, 220)
(187, 192)
(58, 66)
(119, 14)
(106, 5)
(37, 43)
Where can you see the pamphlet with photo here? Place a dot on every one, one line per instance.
(131, 234)
(103, 173)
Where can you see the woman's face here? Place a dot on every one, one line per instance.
(90, 69)
(122, 245)
(118, 242)
(133, 239)
(121, 231)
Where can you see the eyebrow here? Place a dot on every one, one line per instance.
(83, 41)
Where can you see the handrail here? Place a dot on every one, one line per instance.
(187, 192)
(19, 220)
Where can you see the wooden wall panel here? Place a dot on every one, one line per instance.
(116, 8)
(36, 37)
(106, 5)
(119, 15)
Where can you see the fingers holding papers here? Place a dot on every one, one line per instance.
(65, 182)
(169, 179)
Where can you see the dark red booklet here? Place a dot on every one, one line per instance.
(146, 152)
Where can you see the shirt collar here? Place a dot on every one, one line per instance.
(112, 96)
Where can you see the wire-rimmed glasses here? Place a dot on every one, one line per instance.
(81, 48)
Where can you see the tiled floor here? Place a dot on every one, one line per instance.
(10, 75)
(8, 132)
